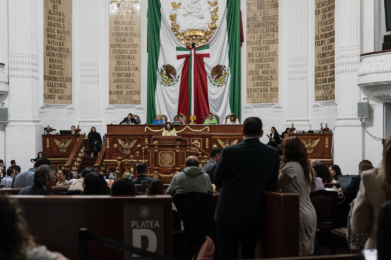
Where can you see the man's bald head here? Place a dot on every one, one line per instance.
(192, 161)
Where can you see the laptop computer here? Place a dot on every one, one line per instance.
(344, 181)
(65, 132)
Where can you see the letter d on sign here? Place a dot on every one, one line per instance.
(152, 239)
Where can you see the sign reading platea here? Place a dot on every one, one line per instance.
(194, 21)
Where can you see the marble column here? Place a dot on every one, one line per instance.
(298, 64)
(348, 134)
(23, 132)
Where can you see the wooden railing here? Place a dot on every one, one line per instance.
(99, 162)
(74, 160)
(146, 146)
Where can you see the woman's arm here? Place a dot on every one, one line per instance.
(283, 179)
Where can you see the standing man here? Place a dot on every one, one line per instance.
(15, 167)
(243, 173)
(210, 167)
(130, 120)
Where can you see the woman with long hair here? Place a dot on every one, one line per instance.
(274, 137)
(295, 177)
(375, 190)
(15, 240)
(95, 184)
(335, 171)
(320, 170)
(39, 156)
(155, 188)
(169, 130)
(95, 141)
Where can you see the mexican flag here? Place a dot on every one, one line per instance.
(193, 58)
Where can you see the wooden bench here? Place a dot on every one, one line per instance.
(56, 190)
(54, 221)
(329, 257)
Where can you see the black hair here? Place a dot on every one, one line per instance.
(10, 171)
(1, 161)
(86, 171)
(123, 186)
(232, 116)
(275, 130)
(365, 165)
(73, 126)
(252, 126)
(13, 161)
(322, 172)
(91, 129)
(210, 114)
(66, 173)
(142, 168)
(40, 153)
(192, 161)
(168, 123)
(215, 151)
(95, 184)
(43, 174)
(130, 114)
(155, 188)
(337, 170)
(41, 161)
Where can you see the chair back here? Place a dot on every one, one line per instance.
(137, 118)
(197, 212)
(164, 118)
(325, 204)
(236, 118)
(178, 240)
(214, 116)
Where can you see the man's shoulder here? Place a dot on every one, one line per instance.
(26, 190)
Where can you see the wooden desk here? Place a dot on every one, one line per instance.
(127, 145)
(319, 146)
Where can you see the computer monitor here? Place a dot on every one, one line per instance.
(344, 181)
(177, 122)
(65, 132)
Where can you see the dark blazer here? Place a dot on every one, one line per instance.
(140, 178)
(132, 121)
(276, 138)
(353, 186)
(210, 168)
(244, 172)
(35, 190)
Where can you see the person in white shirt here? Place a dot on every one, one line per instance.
(232, 120)
(7, 181)
(62, 178)
(78, 184)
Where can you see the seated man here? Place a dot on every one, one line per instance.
(210, 166)
(43, 182)
(123, 186)
(142, 174)
(16, 167)
(7, 181)
(130, 120)
(192, 178)
(354, 184)
(78, 184)
(26, 178)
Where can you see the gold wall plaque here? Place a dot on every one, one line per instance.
(196, 142)
(227, 142)
(262, 52)
(125, 52)
(324, 50)
(63, 144)
(310, 146)
(57, 59)
(127, 145)
(167, 158)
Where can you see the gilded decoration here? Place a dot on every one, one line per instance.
(327, 142)
(178, 132)
(63, 144)
(127, 145)
(310, 146)
(226, 143)
(196, 142)
(193, 21)
(166, 158)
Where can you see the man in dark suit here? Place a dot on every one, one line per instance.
(354, 184)
(43, 182)
(142, 174)
(130, 120)
(243, 173)
(210, 167)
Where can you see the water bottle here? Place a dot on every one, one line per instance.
(111, 179)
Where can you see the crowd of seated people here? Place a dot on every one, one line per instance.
(238, 221)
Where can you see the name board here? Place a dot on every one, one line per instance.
(57, 52)
(324, 50)
(125, 52)
(144, 228)
(262, 51)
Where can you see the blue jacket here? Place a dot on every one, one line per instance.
(353, 186)
(35, 190)
(24, 179)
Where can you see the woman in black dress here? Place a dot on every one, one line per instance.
(39, 156)
(95, 141)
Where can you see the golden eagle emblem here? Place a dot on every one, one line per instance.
(310, 146)
(127, 145)
(63, 144)
(226, 143)
(176, 6)
(213, 4)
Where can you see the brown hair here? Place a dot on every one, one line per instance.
(14, 239)
(295, 151)
(386, 165)
(155, 188)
